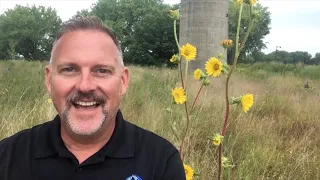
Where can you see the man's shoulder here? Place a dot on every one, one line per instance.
(22, 137)
(147, 138)
(156, 152)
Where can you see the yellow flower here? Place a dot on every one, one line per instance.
(189, 172)
(197, 74)
(174, 14)
(213, 67)
(253, 2)
(49, 100)
(174, 58)
(179, 95)
(217, 139)
(246, 102)
(189, 52)
(239, 1)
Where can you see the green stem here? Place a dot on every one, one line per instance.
(179, 54)
(227, 95)
(187, 113)
(175, 35)
(174, 132)
(171, 126)
(184, 87)
(249, 29)
(237, 46)
(185, 132)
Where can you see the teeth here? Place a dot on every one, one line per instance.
(86, 103)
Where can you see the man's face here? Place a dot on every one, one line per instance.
(86, 80)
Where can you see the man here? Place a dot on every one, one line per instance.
(88, 139)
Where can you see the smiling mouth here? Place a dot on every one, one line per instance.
(86, 105)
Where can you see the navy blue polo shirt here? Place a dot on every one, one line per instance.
(131, 153)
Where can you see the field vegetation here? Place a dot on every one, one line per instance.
(277, 139)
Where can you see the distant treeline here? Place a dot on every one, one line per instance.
(283, 57)
(144, 28)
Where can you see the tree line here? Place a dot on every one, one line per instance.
(285, 57)
(144, 28)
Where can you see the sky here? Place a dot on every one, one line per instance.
(295, 24)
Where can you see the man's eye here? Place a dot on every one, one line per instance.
(68, 69)
(103, 71)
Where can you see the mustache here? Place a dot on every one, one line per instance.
(91, 96)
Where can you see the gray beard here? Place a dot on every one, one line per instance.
(65, 118)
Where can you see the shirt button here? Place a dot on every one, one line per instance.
(79, 169)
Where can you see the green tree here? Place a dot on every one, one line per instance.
(153, 39)
(12, 49)
(301, 56)
(283, 56)
(260, 29)
(32, 29)
(316, 59)
(83, 12)
(279, 56)
(143, 27)
(258, 56)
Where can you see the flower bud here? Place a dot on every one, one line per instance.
(206, 82)
(217, 139)
(226, 43)
(175, 58)
(174, 14)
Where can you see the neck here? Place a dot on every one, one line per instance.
(85, 146)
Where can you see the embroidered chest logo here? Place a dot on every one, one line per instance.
(134, 177)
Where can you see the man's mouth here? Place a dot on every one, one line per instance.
(86, 101)
(86, 105)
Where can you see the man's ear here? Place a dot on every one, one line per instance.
(124, 81)
(48, 72)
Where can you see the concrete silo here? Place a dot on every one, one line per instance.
(204, 24)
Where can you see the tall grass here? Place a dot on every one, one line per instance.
(277, 139)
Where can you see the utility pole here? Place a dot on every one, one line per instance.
(277, 52)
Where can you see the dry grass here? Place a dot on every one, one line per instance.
(277, 139)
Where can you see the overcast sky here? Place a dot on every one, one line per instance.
(295, 23)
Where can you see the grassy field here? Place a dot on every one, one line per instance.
(277, 139)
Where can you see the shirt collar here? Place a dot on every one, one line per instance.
(120, 145)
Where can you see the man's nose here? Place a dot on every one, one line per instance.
(86, 82)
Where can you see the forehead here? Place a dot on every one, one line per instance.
(85, 46)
